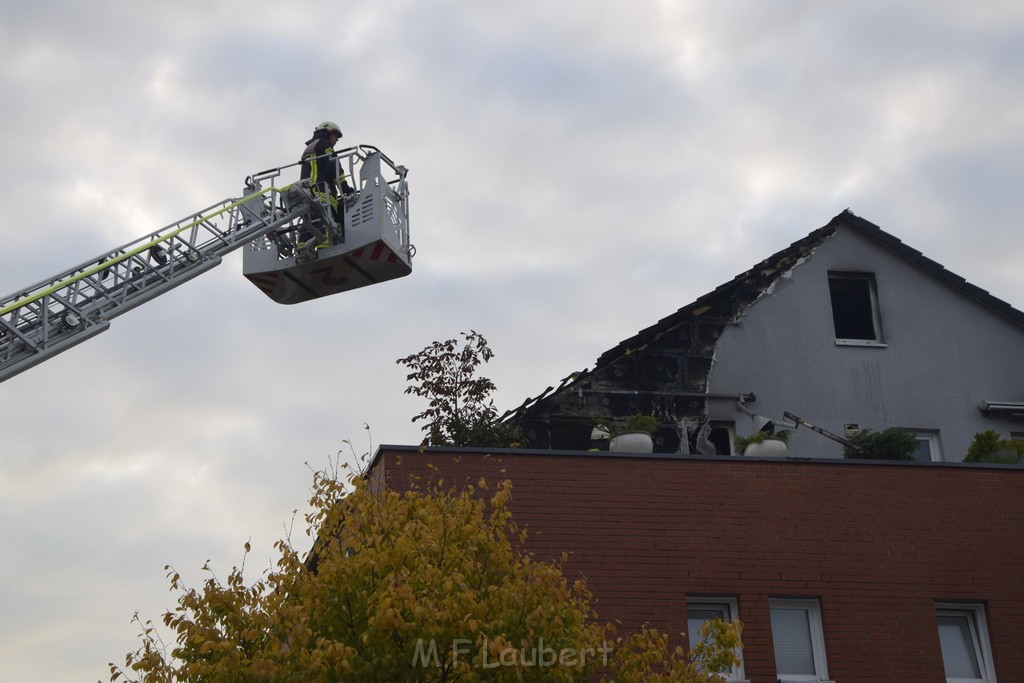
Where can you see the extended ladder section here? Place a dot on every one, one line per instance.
(60, 312)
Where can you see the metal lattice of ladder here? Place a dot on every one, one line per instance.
(65, 310)
(52, 316)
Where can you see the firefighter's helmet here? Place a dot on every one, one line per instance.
(330, 127)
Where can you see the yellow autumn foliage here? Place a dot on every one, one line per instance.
(421, 585)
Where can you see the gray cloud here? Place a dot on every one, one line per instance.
(576, 175)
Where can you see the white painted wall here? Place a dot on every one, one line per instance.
(944, 353)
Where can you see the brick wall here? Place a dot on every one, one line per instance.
(877, 543)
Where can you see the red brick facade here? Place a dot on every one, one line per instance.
(878, 544)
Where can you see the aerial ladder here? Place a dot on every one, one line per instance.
(294, 251)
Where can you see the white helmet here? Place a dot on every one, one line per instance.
(329, 126)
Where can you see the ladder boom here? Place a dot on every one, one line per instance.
(60, 312)
(297, 251)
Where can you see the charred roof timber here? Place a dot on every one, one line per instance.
(663, 370)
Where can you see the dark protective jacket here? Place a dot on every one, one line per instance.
(319, 163)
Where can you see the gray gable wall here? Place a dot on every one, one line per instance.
(942, 354)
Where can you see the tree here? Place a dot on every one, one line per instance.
(460, 411)
(644, 656)
(421, 585)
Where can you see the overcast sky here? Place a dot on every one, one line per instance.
(578, 169)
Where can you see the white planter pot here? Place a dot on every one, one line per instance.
(769, 448)
(632, 442)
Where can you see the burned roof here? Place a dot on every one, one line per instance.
(727, 301)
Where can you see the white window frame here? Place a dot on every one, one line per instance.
(813, 609)
(730, 606)
(876, 316)
(934, 443)
(975, 612)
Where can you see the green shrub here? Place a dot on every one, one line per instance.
(634, 423)
(740, 443)
(642, 423)
(889, 444)
(987, 447)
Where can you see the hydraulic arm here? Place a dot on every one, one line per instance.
(70, 307)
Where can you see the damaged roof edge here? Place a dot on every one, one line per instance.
(701, 305)
(761, 278)
(762, 275)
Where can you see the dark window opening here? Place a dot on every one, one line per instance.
(721, 438)
(853, 307)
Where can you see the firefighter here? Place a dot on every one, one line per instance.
(320, 165)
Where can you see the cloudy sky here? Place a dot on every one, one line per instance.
(578, 170)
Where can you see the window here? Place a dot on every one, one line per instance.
(721, 436)
(963, 636)
(704, 609)
(798, 640)
(928, 446)
(855, 309)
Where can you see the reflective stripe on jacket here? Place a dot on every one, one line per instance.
(319, 164)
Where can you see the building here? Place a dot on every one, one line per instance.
(841, 570)
(847, 328)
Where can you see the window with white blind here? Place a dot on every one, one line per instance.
(798, 639)
(966, 654)
(700, 610)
